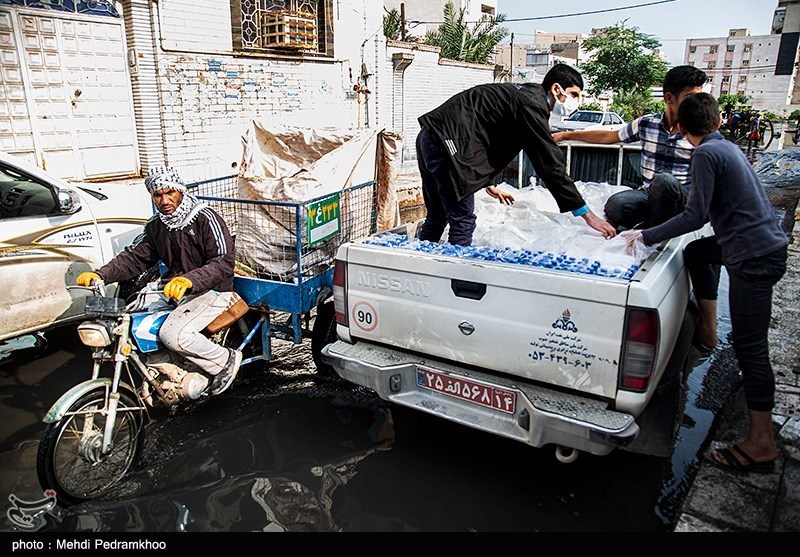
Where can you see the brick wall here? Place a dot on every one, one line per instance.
(209, 93)
(208, 102)
(197, 25)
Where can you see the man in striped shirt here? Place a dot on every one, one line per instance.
(665, 157)
(194, 244)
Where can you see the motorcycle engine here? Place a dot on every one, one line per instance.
(171, 384)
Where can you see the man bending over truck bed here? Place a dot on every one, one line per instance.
(469, 139)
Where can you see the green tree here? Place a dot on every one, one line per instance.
(458, 41)
(633, 104)
(592, 106)
(393, 25)
(624, 61)
(735, 101)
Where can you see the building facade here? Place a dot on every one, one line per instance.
(108, 89)
(763, 67)
(430, 12)
(742, 63)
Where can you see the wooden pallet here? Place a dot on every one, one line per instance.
(289, 29)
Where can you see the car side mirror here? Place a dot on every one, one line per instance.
(68, 202)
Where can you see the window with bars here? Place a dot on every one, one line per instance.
(713, 49)
(85, 7)
(283, 25)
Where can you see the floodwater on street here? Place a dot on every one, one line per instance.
(283, 450)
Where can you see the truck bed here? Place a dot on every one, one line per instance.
(559, 325)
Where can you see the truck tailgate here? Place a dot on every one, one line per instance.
(567, 327)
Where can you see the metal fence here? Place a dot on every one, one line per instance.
(614, 164)
(285, 241)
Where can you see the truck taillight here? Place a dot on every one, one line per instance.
(340, 292)
(639, 349)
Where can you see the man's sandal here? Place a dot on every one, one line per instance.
(726, 458)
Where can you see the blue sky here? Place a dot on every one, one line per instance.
(672, 23)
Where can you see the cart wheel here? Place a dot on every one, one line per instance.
(322, 334)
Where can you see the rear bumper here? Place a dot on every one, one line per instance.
(542, 416)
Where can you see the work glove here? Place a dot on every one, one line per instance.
(177, 287)
(85, 279)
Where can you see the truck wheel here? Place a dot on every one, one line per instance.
(322, 334)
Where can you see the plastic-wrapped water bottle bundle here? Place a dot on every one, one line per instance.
(533, 232)
(542, 259)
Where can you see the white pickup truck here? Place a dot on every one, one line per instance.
(543, 356)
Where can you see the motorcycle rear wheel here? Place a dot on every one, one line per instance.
(66, 461)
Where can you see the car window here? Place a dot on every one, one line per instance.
(592, 117)
(616, 119)
(22, 196)
(606, 120)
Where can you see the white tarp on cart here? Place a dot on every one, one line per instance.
(296, 165)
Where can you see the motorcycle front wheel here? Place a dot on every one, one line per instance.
(70, 460)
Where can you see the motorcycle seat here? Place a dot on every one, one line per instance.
(228, 317)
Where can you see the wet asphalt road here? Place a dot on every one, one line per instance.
(285, 450)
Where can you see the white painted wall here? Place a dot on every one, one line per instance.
(426, 84)
(209, 94)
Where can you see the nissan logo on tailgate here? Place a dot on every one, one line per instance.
(466, 328)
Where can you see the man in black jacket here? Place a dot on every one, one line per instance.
(195, 245)
(469, 139)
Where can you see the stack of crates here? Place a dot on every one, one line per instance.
(289, 29)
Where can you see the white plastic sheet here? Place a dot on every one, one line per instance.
(534, 223)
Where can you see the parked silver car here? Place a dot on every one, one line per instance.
(590, 120)
(50, 232)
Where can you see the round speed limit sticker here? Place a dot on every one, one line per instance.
(365, 316)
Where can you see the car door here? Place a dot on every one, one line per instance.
(48, 235)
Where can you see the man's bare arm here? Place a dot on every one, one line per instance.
(606, 137)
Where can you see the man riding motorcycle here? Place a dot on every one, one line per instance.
(194, 243)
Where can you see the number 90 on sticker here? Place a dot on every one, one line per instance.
(365, 316)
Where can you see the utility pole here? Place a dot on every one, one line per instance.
(403, 21)
(512, 55)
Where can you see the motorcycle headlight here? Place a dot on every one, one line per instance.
(94, 334)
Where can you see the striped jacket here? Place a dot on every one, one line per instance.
(202, 251)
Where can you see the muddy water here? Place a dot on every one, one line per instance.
(283, 450)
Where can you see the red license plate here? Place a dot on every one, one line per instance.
(465, 389)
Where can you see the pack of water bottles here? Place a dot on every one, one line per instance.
(532, 232)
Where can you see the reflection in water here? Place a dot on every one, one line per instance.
(281, 452)
(709, 384)
(15, 346)
(271, 460)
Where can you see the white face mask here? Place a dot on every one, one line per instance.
(567, 107)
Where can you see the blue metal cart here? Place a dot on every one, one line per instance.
(285, 256)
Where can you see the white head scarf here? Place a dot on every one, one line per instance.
(163, 178)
